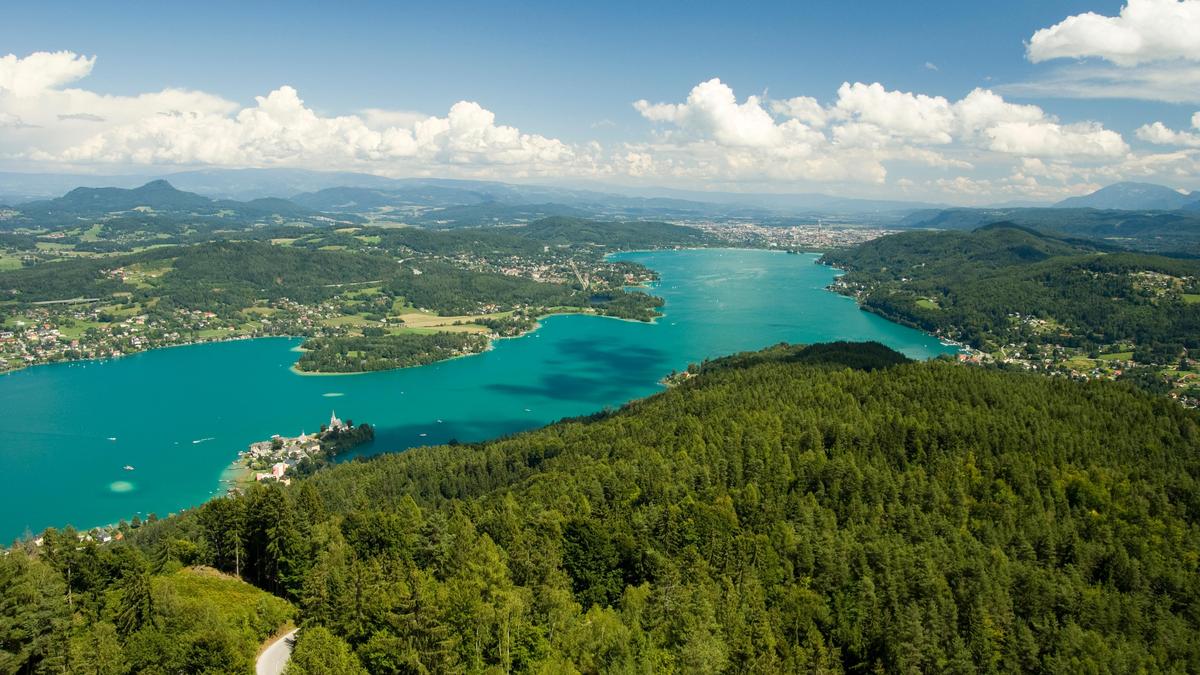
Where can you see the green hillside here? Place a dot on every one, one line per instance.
(1145, 230)
(76, 607)
(1005, 284)
(779, 512)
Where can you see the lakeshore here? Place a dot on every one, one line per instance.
(60, 467)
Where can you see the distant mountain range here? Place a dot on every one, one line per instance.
(347, 192)
(159, 202)
(1148, 212)
(1134, 196)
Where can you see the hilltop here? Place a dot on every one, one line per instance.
(1132, 196)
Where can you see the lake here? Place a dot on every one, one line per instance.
(179, 416)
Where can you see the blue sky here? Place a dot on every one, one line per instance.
(570, 72)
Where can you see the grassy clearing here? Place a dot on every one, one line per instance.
(53, 246)
(121, 312)
(1116, 356)
(426, 330)
(1191, 298)
(204, 600)
(425, 320)
(349, 320)
(1081, 364)
(77, 330)
(9, 261)
(926, 303)
(92, 233)
(363, 292)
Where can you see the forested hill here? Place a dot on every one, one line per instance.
(157, 207)
(1005, 284)
(1174, 232)
(769, 515)
(561, 230)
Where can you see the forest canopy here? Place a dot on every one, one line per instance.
(833, 508)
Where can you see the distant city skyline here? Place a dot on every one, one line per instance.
(949, 102)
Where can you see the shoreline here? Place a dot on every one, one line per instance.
(232, 474)
(104, 359)
(234, 338)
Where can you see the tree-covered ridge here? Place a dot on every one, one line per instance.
(115, 219)
(1138, 229)
(206, 276)
(766, 516)
(621, 235)
(1003, 284)
(858, 355)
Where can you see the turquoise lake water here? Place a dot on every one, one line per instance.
(179, 416)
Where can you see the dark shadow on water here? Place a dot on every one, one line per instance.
(608, 389)
(599, 373)
(601, 355)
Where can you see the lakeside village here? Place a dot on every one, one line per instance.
(88, 329)
(280, 458)
(101, 328)
(1042, 345)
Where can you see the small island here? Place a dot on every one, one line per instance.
(281, 458)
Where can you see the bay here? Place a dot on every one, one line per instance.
(179, 416)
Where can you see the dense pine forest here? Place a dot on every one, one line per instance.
(834, 508)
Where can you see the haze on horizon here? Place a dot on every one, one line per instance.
(1035, 103)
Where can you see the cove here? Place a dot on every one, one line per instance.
(179, 416)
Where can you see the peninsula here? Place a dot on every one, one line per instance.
(280, 458)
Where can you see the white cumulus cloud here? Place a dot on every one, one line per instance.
(1160, 134)
(1149, 51)
(865, 135)
(41, 71)
(1144, 31)
(176, 126)
(870, 123)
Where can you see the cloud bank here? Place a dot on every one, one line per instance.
(864, 138)
(177, 126)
